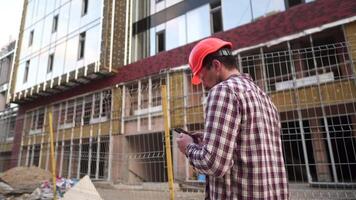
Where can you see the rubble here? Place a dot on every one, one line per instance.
(22, 183)
(5, 188)
(25, 179)
(32, 183)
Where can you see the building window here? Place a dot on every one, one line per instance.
(143, 99)
(216, 17)
(291, 3)
(55, 24)
(66, 114)
(84, 7)
(30, 41)
(292, 146)
(101, 106)
(156, 92)
(160, 41)
(278, 69)
(144, 94)
(96, 105)
(70, 113)
(342, 139)
(88, 101)
(27, 67)
(37, 120)
(106, 103)
(78, 111)
(50, 63)
(131, 99)
(81, 45)
(158, 1)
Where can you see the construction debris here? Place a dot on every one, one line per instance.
(22, 183)
(25, 179)
(32, 183)
(84, 190)
(5, 188)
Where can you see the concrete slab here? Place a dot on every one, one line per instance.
(83, 190)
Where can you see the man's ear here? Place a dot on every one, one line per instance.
(216, 64)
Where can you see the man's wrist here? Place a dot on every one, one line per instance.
(187, 149)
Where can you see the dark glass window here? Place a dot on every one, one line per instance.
(27, 67)
(30, 41)
(291, 3)
(50, 63)
(81, 46)
(161, 41)
(85, 7)
(216, 17)
(55, 24)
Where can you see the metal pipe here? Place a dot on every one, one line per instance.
(53, 159)
(300, 117)
(167, 141)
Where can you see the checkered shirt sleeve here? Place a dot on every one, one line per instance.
(222, 119)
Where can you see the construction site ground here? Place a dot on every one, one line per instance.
(25, 180)
(146, 191)
(160, 191)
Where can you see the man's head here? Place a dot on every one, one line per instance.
(209, 61)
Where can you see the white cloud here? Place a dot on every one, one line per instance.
(10, 17)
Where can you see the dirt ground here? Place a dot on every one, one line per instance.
(147, 191)
(297, 191)
(109, 194)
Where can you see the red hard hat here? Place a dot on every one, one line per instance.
(200, 51)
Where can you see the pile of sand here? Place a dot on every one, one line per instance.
(25, 178)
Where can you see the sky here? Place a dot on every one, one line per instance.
(10, 16)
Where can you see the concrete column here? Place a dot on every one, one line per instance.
(119, 170)
(298, 62)
(320, 152)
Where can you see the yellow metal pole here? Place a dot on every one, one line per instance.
(168, 142)
(53, 160)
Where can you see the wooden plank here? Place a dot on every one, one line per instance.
(195, 115)
(331, 93)
(6, 147)
(350, 32)
(105, 128)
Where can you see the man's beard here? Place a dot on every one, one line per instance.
(218, 80)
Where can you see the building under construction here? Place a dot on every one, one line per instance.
(100, 71)
(7, 110)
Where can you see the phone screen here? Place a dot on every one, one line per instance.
(179, 130)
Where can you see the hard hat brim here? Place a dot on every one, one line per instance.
(196, 80)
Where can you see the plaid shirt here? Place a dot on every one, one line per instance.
(241, 152)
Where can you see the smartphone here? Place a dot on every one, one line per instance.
(180, 130)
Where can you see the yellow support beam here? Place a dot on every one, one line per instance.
(168, 142)
(53, 159)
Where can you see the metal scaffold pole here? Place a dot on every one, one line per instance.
(167, 141)
(53, 160)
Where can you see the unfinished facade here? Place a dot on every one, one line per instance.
(110, 126)
(7, 110)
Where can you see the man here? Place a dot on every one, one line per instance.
(241, 150)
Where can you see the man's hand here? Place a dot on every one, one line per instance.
(198, 137)
(183, 140)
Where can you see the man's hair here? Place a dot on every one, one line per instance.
(224, 56)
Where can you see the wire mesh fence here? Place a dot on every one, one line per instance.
(117, 134)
